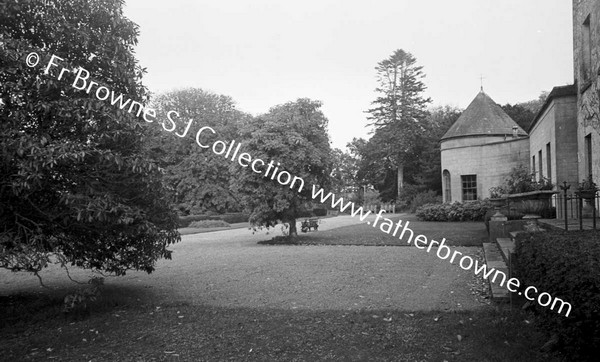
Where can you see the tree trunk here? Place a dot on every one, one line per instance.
(293, 230)
(400, 179)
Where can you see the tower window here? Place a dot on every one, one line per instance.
(469, 187)
(447, 186)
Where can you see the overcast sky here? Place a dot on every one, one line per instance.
(267, 52)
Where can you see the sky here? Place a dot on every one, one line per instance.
(268, 52)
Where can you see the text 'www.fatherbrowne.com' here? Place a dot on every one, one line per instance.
(466, 262)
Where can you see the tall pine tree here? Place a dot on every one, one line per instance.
(398, 113)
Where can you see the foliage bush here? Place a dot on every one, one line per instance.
(565, 264)
(202, 224)
(519, 181)
(371, 197)
(424, 198)
(468, 211)
(78, 186)
(231, 218)
(407, 195)
(319, 212)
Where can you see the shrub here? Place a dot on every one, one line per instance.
(319, 212)
(235, 218)
(468, 211)
(208, 224)
(565, 264)
(424, 198)
(497, 192)
(519, 181)
(407, 195)
(371, 197)
(232, 218)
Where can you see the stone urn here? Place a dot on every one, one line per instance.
(533, 202)
(589, 196)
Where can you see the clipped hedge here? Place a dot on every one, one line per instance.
(205, 224)
(457, 211)
(319, 212)
(566, 265)
(231, 218)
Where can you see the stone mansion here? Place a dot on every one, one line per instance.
(562, 142)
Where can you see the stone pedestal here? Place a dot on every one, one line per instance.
(531, 223)
(497, 228)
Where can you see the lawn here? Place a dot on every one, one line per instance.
(455, 233)
(223, 297)
(189, 332)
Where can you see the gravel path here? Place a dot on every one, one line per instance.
(228, 268)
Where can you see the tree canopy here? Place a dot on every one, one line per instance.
(199, 177)
(293, 135)
(422, 170)
(75, 182)
(523, 113)
(399, 111)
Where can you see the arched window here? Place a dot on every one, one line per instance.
(447, 186)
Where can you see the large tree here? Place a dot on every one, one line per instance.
(294, 135)
(428, 169)
(422, 165)
(344, 178)
(199, 178)
(74, 180)
(399, 110)
(523, 113)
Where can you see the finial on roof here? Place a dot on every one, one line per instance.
(481, 77)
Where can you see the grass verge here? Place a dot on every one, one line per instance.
(455, 233)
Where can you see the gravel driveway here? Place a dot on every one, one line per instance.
(228, 268)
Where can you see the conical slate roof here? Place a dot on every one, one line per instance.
(483, 117)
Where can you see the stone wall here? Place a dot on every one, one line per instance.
(588, 86)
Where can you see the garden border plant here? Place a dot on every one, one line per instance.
(519, 181)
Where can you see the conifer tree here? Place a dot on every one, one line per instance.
(398, 113)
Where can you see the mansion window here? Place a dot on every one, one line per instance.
(540, 165)
(588, 155)
(469, 187)
(549, 162)
(586, 50)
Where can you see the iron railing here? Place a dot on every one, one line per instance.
(576, 205)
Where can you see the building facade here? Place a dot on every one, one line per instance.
(479, 151)
(586, 62)
(553, 142)
(562, 143)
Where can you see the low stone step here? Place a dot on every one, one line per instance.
(500, 294)
(513, 234)
(507, 247)
(494, 259)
